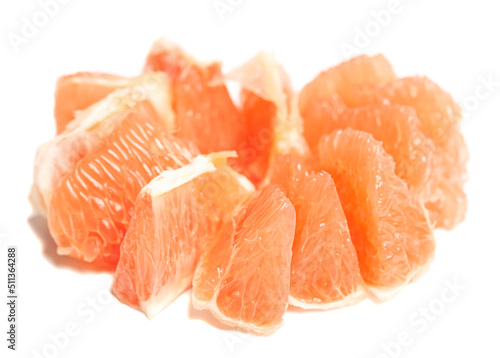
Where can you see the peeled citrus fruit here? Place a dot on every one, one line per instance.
(175, 215)
(388, 224)
(79, 91)
(89, 210)
(270, 113)
(90, 129)
(353, 173)
(205, 113)
(440, 117)
(243, 276)
(324, 271)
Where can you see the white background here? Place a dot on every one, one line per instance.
(455, 43)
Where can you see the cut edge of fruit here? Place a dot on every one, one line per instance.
(158, 90)
(36, 199)
(97, 78)
(271, 89)
(166, 296)
(171, 179)
(162, 43)
(290, 133)
(216, 312)
(349, 300)
(380, 294)
(151, 86)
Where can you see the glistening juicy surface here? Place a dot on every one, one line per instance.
(333, 89)
(270, 113)
(388, 225)
(416, 156)
(205, 113)
(175, 216)
(441, 118)
(89, 130)
(324, 271)
(77, 92)
(341, 79)
(80, 90)
(244, 275)
(90, 209)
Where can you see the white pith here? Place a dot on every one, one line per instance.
(215, 311)
(157, 303)
(171, 179)
(349, 300)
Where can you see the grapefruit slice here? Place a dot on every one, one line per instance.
(205, 113)
(243, 277)
(324, 270)
(79, 91)
(57, 157)
(388, 225)
(440, 117)
(90, 208)
(174, 217)
(270, 111)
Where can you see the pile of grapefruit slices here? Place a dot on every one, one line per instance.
(317, 199)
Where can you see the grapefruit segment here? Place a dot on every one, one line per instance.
(319, 116)
(243, 277)
(402, 136)
(440, 117)
(341, 80)
(270, 111)
(416, 156)
(388, 225)
(333, 89)
(324, 270)
(90, 208)
(170, 226)
(79, 91)
(205, 113)
(90, 129)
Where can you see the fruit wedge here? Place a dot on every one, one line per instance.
(174, 218)
(243, 277)
(388, 225)
(79, 91)
(89, 210)
(441, 118)
(325, 270)
(205, 113)
(91, 128)
(341, 79)
(400, 131)
(333, 89)
(270, 111)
